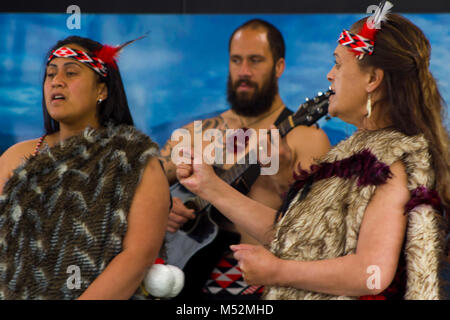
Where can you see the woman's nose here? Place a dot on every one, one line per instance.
(58, 79)
(330, 75)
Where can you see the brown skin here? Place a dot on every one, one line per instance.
(80, 86)
(147, 220)
(147, 217)
(251, 58)
(383, 226)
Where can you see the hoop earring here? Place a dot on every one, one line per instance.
(369, 106)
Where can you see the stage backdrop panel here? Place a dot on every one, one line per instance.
(178, 72)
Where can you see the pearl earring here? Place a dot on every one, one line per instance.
(99, 101)
(369, 106)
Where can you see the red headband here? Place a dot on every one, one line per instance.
(92, 61)
(357, 43)
(364, 41)
(99, 61)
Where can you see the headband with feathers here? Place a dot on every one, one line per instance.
(99, 60)
(364, 41)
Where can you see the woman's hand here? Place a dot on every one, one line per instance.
(258, 265)
(198, 178)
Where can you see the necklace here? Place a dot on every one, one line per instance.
(259, 119)
(38, 145)
(239, 146)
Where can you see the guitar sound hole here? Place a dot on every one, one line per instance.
(191, 223)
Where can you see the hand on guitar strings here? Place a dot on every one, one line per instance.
(258, 265)
(179, 215)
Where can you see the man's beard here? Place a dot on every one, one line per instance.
(252, 105)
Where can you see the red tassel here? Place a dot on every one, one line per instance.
(108, 55)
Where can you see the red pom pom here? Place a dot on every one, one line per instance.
(108, 55)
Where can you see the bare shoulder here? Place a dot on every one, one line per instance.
(166, 150)
(209, 123)
(14, 157)
(304, 133)
(311, 141)
(399, 178)
(153, 178)
(19, 151)
(217, 122)
(395, 191)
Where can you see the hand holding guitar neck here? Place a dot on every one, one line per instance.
(205, 186)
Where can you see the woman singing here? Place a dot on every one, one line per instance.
(83, 209)
(366, 220)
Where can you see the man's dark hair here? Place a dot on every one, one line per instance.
(274, 36)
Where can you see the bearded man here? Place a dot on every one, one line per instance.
(257, 61)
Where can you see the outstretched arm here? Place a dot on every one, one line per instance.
(379, 244)
(166, 157)
(253, 217)
(147, 221)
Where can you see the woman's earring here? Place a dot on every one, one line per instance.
(369, 106)
(99, 101)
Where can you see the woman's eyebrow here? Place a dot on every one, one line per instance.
(69, 63)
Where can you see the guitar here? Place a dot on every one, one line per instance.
(200, 232)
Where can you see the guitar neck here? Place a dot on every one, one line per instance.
(307, 114)
(229, 176)
(237, 170)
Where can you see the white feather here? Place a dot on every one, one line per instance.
(379, 15)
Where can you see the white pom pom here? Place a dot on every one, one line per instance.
(159, 281)
(178, 276)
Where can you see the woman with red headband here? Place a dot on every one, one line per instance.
(83, 208)
(366, 220)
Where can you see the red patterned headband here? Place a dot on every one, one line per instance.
(91, 60)
(357, 43)
(99, 61)
(364, 42)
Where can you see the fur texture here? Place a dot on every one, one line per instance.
(326, 223)
(68, 206)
